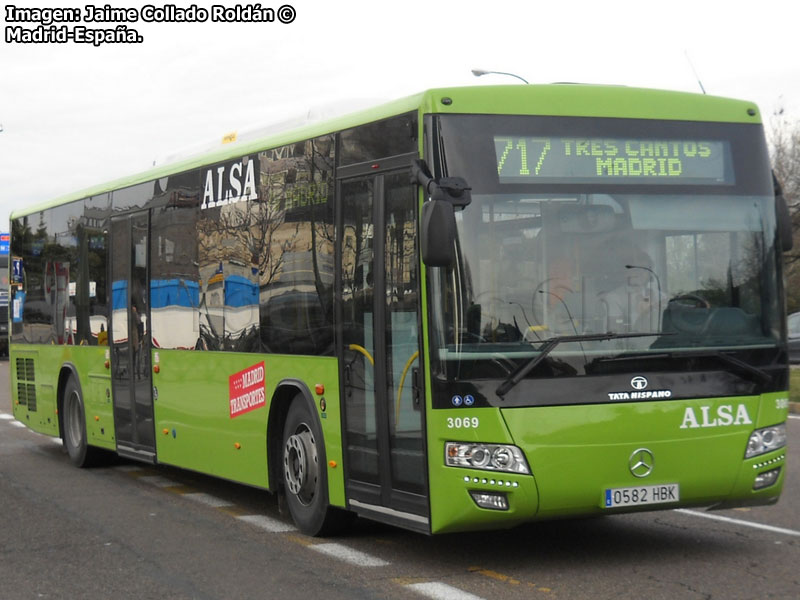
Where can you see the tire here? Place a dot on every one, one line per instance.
(74, 423)
(305, 477)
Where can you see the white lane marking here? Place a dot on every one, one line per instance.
(348, 555)
(207, 499)
(6, 417)
(17, 424)
(794, 416)
(158, 481)
(441, 591)
(738, 522)
(267, 523)
(47, 436)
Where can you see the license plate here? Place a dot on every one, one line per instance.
(641, 495)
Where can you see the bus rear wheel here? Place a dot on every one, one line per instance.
(304, 473)
(74, 422)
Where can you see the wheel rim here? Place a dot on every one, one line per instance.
(74, 431)
(300, 466)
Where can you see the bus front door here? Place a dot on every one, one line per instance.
(131, 377)
(385, 466)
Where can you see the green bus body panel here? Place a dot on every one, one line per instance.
(192, 407)
(547, 100)
(576, 452)
(452, 507)
(572, 100)
(193, 423)
(48, 363)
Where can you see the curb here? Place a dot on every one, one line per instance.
(794, 408)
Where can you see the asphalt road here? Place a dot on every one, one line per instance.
(127, 530)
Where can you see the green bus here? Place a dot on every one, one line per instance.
(467, 309)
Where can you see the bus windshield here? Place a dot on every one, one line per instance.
(655, 228)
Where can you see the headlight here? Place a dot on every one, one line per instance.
(488, 457)
(766, 440)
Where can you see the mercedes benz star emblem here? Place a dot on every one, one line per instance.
(641, 462)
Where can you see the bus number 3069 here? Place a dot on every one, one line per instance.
(463, 423)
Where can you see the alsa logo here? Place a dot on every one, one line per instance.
(724, 417)
(230, 183)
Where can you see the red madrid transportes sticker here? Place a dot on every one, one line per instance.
(246, 390)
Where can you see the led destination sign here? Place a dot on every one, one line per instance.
(612, 160)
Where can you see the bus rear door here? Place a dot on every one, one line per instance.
(131, 376)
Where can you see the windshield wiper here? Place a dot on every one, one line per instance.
(754, 373)
(751, 372)
(548, 346)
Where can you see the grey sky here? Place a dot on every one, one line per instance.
(75, 115)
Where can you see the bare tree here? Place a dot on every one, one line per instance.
(784, 139)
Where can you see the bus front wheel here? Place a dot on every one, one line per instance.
(74, 421)
(304, 472)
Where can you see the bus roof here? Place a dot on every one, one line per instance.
(562, 99)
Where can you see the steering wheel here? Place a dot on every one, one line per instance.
(490, 296)
(689, 319)
(698, 301)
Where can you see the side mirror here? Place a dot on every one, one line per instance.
(783, 216)
(438, 234)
